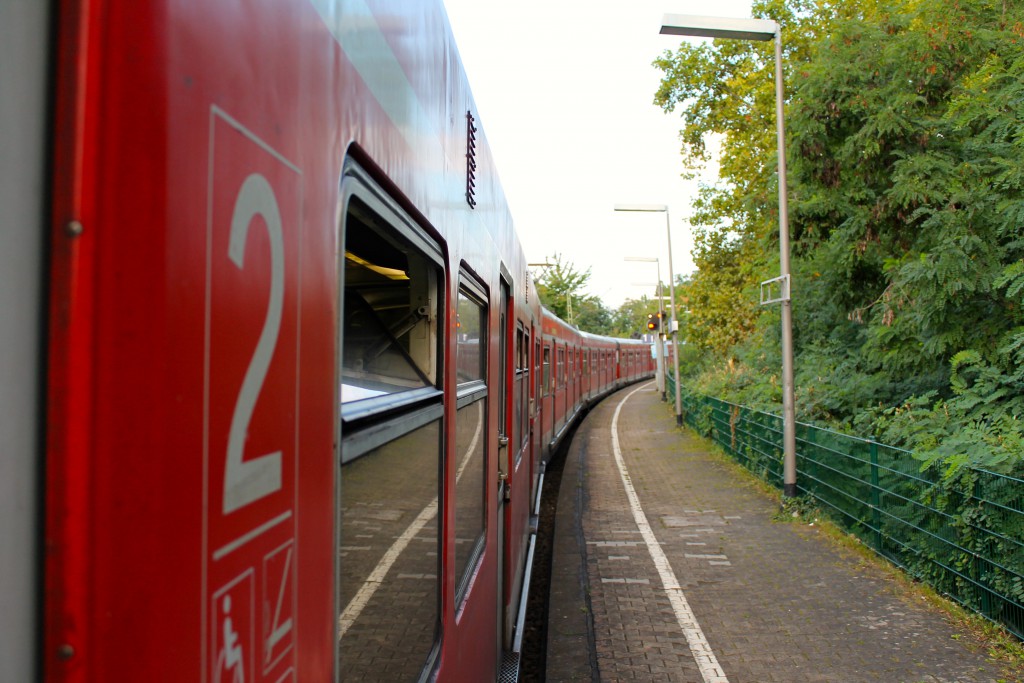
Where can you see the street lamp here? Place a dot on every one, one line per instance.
(761, 30)
(659, 350)
(673, 329)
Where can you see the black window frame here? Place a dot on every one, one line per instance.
(365, 425)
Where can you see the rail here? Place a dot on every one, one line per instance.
(963, 536)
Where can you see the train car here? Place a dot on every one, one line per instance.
(278, 391)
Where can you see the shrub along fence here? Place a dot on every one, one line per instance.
(963, 535)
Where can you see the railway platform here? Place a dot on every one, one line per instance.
(668, 566)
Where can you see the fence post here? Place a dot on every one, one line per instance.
(810, 463)
(876, 515)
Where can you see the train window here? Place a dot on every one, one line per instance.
(389, 320)
(517, 397)
(471, 337)
(535, 388)
(547, 370)
(470, 433)
(560, 367)
(586, 362)
(503, 321)
(524, 394)
(391, 410)
(389, 556)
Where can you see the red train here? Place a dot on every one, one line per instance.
(277, 388)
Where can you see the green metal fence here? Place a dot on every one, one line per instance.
(963, 537)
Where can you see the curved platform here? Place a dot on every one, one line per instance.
(668, 567)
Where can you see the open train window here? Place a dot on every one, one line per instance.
(389, 314)
(392, 436)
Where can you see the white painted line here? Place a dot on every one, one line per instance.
(362, 597)
(705, 557)
(613, 544)
(710, 670)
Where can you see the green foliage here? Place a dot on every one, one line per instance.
(630, 319)
(905, 147)
(560, 287)
(591, 315)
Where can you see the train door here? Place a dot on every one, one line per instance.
(586, 383)
(573, 381)
(536, 417)
(506, 319)
(566, 385)
(547, 425)
(579, 377)
(518, 530)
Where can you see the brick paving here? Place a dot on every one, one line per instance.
(775, 601)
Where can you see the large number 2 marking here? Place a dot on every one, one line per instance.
(245, 482)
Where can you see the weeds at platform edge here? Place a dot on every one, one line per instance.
(1001, 646)
(797, 509)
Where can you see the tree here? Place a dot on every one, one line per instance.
(560, 287)
(591, 315)
(725, 91)
(906, 155)
(630, 320)
(561, 290)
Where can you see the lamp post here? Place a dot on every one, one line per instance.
(761, 30)
(673, 328)
(659, 349)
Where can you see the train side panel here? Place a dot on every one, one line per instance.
(193, 313)
(204, 256)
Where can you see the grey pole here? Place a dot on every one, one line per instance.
(659, 208)
(675, 322)
(661, 334)
(659, 348)
(788, 403)
(763, 30)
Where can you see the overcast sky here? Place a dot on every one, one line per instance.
(565, 92)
